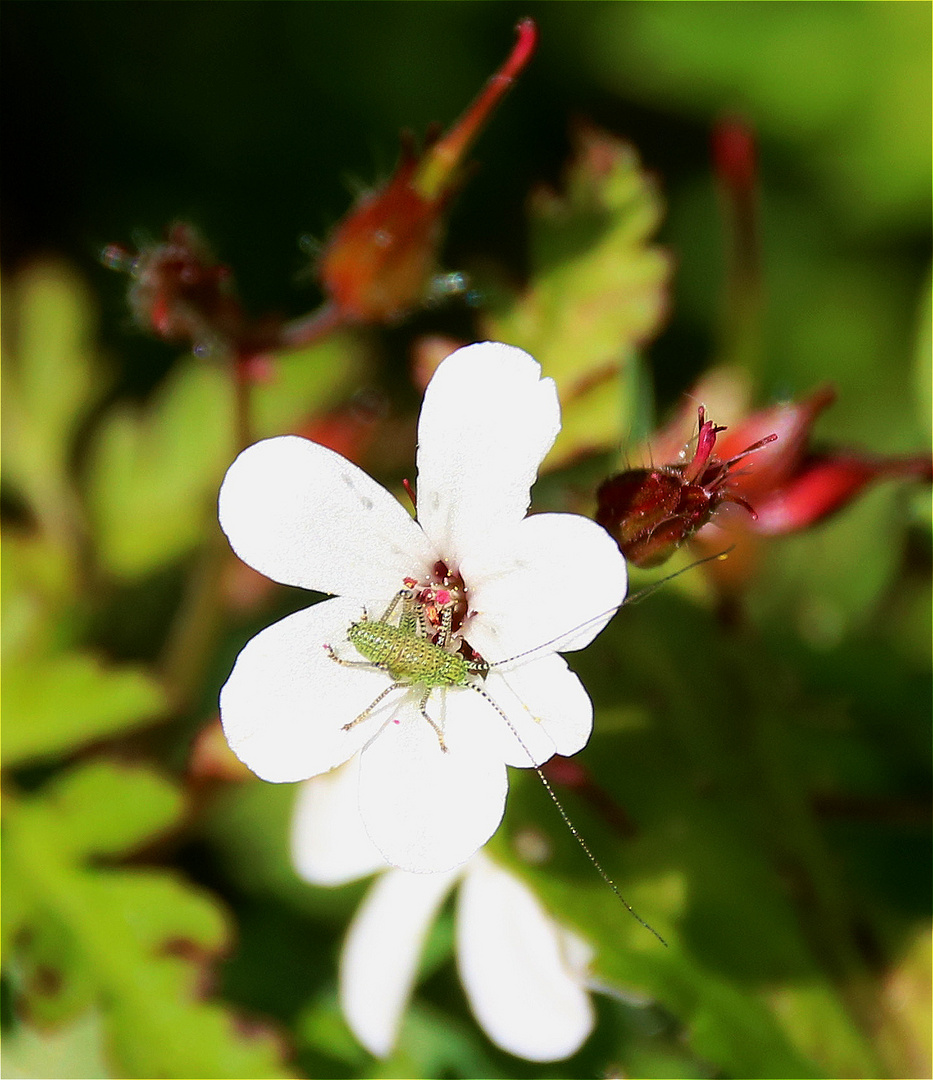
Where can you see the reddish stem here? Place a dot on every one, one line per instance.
(310, 328)
(434, 172)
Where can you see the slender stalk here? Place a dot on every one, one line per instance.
(196, 626)
(309, 329)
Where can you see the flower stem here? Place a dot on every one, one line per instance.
(196, 626)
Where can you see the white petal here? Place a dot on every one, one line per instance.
(551, 583)
(487, 421)
(380, 954)
(285, 703)
(484, 716)
(424, 809)
(303, 515)
(547, 693)
(329, 844)
(525, 986)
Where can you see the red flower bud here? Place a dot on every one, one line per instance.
(785, 487)
(735, 155)
(651, 512)
(792, 423)
(793, 487)
(181, 293)
(825, 483)
(379, 261)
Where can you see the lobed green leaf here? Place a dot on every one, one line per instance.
(136, 943)
(598, 291)
(55, 704)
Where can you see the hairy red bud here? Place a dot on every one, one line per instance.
(650, 512)
(181, 293)
(381, 258)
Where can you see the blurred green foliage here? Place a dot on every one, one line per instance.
(771, 777)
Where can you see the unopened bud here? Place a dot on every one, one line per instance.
(181, 293)
(381, 259)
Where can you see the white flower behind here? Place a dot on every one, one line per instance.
(525, 976)
(303, 515)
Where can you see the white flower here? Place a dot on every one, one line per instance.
(305, 516)
(525, 976)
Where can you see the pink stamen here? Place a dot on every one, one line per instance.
(751, 449)
(706, 440)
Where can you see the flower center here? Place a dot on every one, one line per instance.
(443, 598)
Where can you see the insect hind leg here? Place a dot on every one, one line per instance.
(405, 595)
(423, 709)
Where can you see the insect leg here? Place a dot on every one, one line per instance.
(351, 663)
(423, 707)
(446, 624)
(402, 594)
(369, 708)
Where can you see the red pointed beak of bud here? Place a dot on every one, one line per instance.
(380, 260)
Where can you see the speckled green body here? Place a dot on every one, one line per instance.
(410, 658)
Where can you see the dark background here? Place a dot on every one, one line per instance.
(259, 121)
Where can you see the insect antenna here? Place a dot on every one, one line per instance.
(635, 598)
(644, 593)
(574, 832)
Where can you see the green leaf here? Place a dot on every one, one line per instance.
(53, 705)
(74, 1052)
(39, 583)
(154, 473)
(86, 798)
(598, 291)
(49, 375)
(134, 942)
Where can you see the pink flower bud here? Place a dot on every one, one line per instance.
(825, 483)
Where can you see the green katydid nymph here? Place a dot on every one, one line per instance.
(420, 652)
